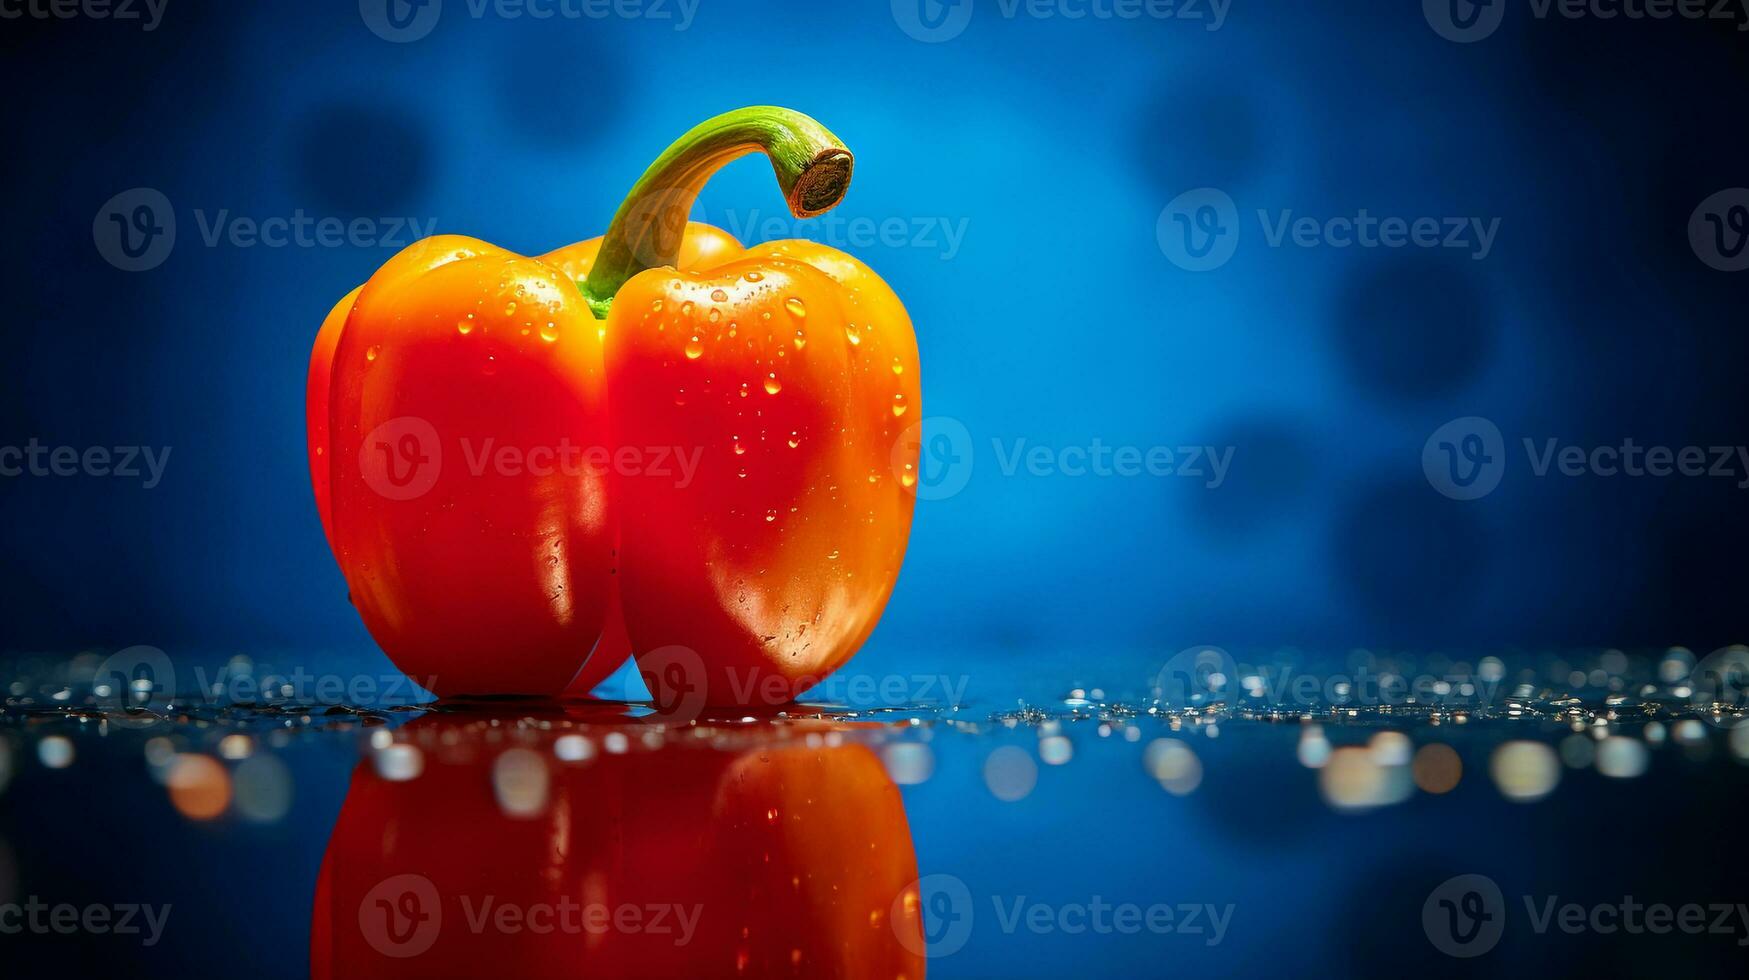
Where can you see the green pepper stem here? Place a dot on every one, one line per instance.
(812, 167)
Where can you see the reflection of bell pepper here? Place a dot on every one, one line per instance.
(690, 861)
(787, 370)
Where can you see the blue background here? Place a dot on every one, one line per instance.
(1059, 320)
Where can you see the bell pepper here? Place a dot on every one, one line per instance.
(787, 371)
(775, 860)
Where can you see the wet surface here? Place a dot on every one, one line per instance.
(1381, 817)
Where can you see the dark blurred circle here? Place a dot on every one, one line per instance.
(363, 160)
(536, 79)
(1413, 560)
(1195, 135)
(1414, 326)
(1266, 476)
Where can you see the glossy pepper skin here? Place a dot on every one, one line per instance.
(785, 860)
(788, 371)
(474, 576)
(792, 369)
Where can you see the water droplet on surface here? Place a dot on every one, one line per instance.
(898, 368)
(772, 385)
(719, 296)
(899, 405)
(371, 352)
(694, 349)
(715, 315)
(656, 307)
(753, 277)
(550, 332)
(739, 449)
(796, 308)
(770, 515)
(794, 440)
(465, 326)
(852, 334)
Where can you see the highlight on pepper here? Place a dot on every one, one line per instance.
(532, 468)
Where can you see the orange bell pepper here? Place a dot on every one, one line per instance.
(786, 373)
(689, 861)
